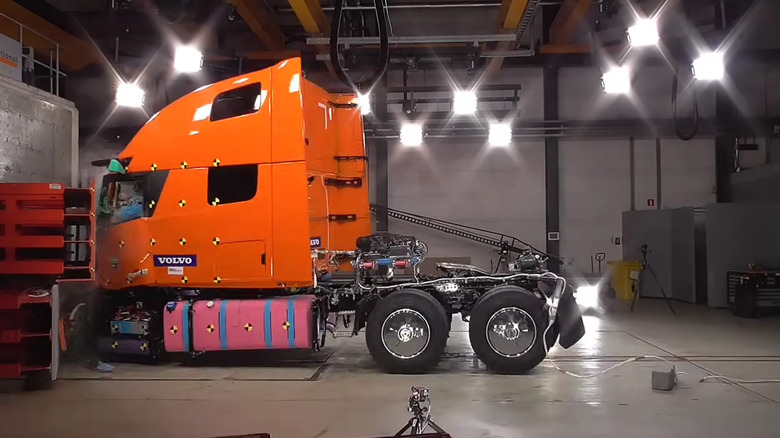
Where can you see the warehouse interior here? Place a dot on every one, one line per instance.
(635, 144)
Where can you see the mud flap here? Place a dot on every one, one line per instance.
(569, 320)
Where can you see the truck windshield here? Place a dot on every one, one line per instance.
(121, 198)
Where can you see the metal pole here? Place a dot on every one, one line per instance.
(51, 77)
(57, 79)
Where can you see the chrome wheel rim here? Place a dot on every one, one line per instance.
(405, 333)
(511, 332)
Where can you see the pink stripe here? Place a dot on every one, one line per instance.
(303, 322)
(279, 338)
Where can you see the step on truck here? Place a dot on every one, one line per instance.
(238, 218)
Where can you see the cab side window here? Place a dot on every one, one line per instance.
(237, 102)
(230, 184)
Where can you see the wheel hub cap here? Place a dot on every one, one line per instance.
(405, 333)
(511, 332)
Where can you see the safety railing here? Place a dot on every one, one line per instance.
(29, 60)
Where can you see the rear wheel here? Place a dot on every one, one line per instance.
(506, 330)
(407, 332)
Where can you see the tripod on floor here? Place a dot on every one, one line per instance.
(639, 280)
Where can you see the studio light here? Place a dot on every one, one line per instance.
(411, 134)
(709, 67)
(464, 102)
(616, 81)
(500, 134)
(588, 296)
(364, 103)
(643, 33)
(129, 95)
(187, 59)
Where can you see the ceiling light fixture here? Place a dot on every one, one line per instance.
(187, 59)
(616, 81)
(709, 67)
(129, 95)
(500, 134)
(643, 33)
(464, 102)
(411, 134)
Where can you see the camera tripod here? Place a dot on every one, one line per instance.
(641, 276)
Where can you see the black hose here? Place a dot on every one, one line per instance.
(684, 136)
(384, 47)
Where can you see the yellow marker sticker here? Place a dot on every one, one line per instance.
(151, 204)
(152, 241)
(248, 327)
(182, 203)
(114, 328)
(115, 344)
(216, 162)
(217, 280)
(210, 328)
(174, 330)
(286, 325)
(216, 241)
(182, 241)
(184, 279)
(215, 202)
(153, 167)
(144, 346)
(183, 164)
(121, 243)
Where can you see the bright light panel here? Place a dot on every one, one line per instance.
(500, 134)
(464, 102)
(130, 95)
(411, 135)
(643, 33)
(187, 59)
(364, 103)
(709, 67)
(617, 81)
(588, 296)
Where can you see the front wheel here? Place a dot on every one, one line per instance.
(406, 332)
(506, 330)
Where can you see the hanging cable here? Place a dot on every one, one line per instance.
(384, 47)
(684, 136)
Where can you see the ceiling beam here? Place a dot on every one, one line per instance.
(44, 37)
(311, 16)
(565, 23)
(258, 18)
(509, 15)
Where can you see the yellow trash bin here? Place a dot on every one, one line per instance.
(621, 277)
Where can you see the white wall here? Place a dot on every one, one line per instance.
(503, 190)
(38, 136)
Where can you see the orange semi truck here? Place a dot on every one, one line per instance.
(238, 219)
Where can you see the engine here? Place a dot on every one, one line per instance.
(381, 255)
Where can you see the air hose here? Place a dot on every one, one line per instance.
(384, 47)
(684, 136)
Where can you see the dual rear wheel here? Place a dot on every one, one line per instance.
(407, 331)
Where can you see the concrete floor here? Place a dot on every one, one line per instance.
(342, 394)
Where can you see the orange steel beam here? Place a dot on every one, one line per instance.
(75, 53)
(509, 15)
(258, 18)
(311, 16)
(567, 20)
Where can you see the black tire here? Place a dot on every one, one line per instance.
(513, 301)
(420, 307)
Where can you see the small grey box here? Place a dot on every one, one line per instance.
(664, 380)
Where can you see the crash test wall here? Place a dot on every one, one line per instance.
(38, 136)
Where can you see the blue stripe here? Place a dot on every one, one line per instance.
(223, 325)
(267, 319)
(185, 326)
(291, 320)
